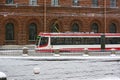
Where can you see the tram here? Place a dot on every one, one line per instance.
(76, 42)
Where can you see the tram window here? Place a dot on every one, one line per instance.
(112, 40)
(74, 41)
(44, 41)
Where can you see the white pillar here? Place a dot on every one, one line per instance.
(86, 52)
(56, 52)
(25, 51)
(112, 52)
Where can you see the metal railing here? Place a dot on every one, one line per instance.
(31, 52)
(10, 52)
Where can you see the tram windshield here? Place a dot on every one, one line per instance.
(43, 41)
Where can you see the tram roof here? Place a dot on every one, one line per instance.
(79, 34)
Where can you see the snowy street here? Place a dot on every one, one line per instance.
(61, 68)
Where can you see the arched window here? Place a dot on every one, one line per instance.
(94, 28)
(9, 31)
(112, 28)
(75, 27)
(32, 31)
(55, 28)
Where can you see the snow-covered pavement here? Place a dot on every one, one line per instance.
(61, 68)
(63, 58)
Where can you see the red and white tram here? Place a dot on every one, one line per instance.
(75, 42)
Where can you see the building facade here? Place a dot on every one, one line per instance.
(22, 20)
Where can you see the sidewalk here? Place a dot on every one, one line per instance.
(16, 46)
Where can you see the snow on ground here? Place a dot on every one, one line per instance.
(109, 78)
(2, 75)
(61, 68)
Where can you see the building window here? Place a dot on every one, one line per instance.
(33, 2)
(75, 27)
(94, 28)
(112, 28)
(94, 3)
(55, 28)
(9, 1)
(32, 31)
(55, 2)
(113, 3)
(9, 31)
(75, 3)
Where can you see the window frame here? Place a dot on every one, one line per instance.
(33, 2)
(94, 3)
(113, 3)
(9, 35)
(75, 27)
(75, 2)
(54, 2)
(34, 32)
(9, 1)
(95, 28)
(113, 28)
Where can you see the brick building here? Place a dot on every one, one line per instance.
(22, 20)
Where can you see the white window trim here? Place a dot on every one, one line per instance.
(113, 6)
(31, 2)
(94, 5)
(53, 3)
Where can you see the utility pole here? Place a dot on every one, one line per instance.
(44, 15)
(105, 16)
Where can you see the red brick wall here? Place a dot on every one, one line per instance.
(65, 15)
